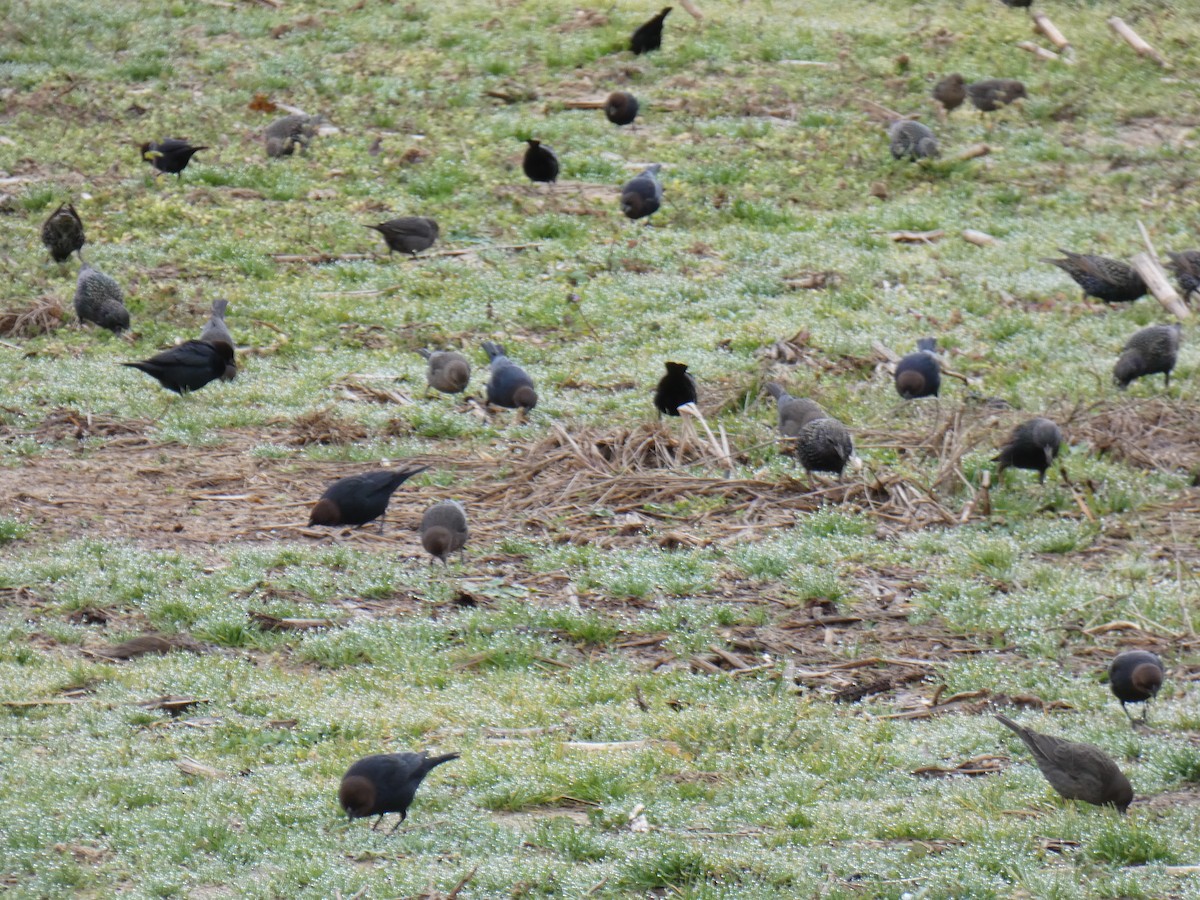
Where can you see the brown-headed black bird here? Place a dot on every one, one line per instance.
(1135, 676)
(359, 499)
(1105, 279)
(540, 163)
(918, 374)
(448, 371)
(444, 529)
(793, 412)
(995, 93)
(912, 139)
(62, 233)
(408, 234)
(171, 156)
(509, 386)
(189, 366)
(950, 92)
(1186, 266)
(649, 36)
(385, 783)
(674, 389)
(621, 108)
(1077, 771)
(1032, 445)
(284, 135)
(1019, 4)
(642, 196)
(217, 332)
(1149, 352)
(99, 299)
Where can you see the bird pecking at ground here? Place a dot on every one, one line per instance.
(509, 385)
(189, 366)
(62, 233)
(1105, 279)
(385, 783)
(919, 374)
(648, 37)
(1150, 351)
(912, 139)
(99, 299)
(170, 156)
(359, 499)
(642, 196)
(1031, 445)
(408, 234)
(444, 530)
(448, 371)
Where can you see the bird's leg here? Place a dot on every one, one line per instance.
(377, 821)
(403, 816)
(382, 519)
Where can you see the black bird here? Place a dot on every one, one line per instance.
(1032, 445)
(1020, 4)
(62, 233)
(794, 412)
(385, 783)
(444, 529)
(171, 156)
(510, 386)
(950, 92)
(1105, 279)
(99, 299)
(995, 93)
(912, 139)
(674, 389)
(1148, 352)
(642, 196)
(283, 136)
(188, 367)
(649, 36)
(448, 372)
(359, 499)
(217, 332)
(1186, 266)
(540, 163)
(1135, 676)
(408, 234)
(1077, 771)
(621, 108)
(918, 374)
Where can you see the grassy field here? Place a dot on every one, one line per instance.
(666, 676)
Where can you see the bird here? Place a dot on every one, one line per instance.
(444, 529)
(283, 135)
(1032, 445)
(448, 372)
(823, 444)
(642, 196)
(1019, 4)
(648, 37)
(793, 412)
(171, 156)
(1150, 351)
(912, 139)
(540, 163)
(1105, 279)
(62, 233)
(950, 91)
(621, 108)
(674, 389)
(99, 299)
(918, 374)
(1135, 676)
(995, 93)
(509, 386)
(408, 234)
(1077, 771)
(216, 331)
(385, 783)
(189, 366)
(359, 499)
(1186, 266)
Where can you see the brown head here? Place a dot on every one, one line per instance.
(525, 397)
(457, 374)
(326, 512)
(357, 796)
(438, 542)
(910, 383)
(1147, 678)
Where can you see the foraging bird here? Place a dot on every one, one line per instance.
(918, 374)
(540, 163)
(359, 499)
(1032, 445)
(995, 93)
(1020, 4)
(217, 332)
(648, 36)
(62, 233)
(189, 366)
(1135, 676)
(1105, 279)
(1077, 771)
(171, 156)
(509, 386)
(448, 372)
(1148, 352)
(794, 412)
(912, 139)
(1186, 266)
(950, 92)
(99, 299)
(824, 444)
(444, 529)
(408, 234)
(642, 196)
(283, 135)
(385, 783)
(621, 108)
(674, 389)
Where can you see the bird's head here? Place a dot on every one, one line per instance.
(357, 796)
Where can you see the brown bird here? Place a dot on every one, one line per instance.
(62, 233)
(621, 108)
(408, 234)
(359, 499)
(1032, 445)
(1135, 676)
(1077, 771)
(448, 372)
(171, 156)
(146, 644)
(995, 93)
(283, 136)
(217, 332)
(1105, 279)
(444, 530)
(951, 91)
(793, 412)
(648, 36)
(385, 783)
(1186, 266)
(1150, 351)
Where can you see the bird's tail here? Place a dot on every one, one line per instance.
(218, 308)
(775, 389)
(492, 349)
(434, 761)
(928, 344)
(1006, 721)
(425, 354)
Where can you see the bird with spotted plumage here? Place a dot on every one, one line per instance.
(62, 233)
(822, 443)
(1109, 280)
(1151, 351)
(1186, 266)
(993, 94)
(100, 300)
(1031, 445)
(912, 139)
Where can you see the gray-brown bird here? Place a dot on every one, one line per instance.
(793, 413)
(217, 332)
(1032, 445)
(1105, 279)
(1149, 352)
(448, 371)
(359, 499)
(912, 139)
(1186, 266)
(408, 234)
(1077, 771)
(444, 530)
(385, 783)
(284, 135)
(950, 92)
(648, 37)
(621, 108)
(62, 233)
(995, 93)
(1135, 676)
(823, 444)
(99, 299)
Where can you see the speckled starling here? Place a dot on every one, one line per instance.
(1149, 352)
(642, 196)
(408, 234)
(216, 331)
(995, 93)
(649, 36)
(509, 385)
(99, 299)
(283, 136)
(1106, 279)
(540, 163)
(444, 529)
(918, 374)
(1032, 445)
(386, 783)
(950, 92)
(448, 371)
(189, 366)
(62, 233)
(912, 139)
(1186, 266)
(824, 445)
(1135, 676)
(621, 108)
(674, 389)
(359, 499)
(171, 156)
